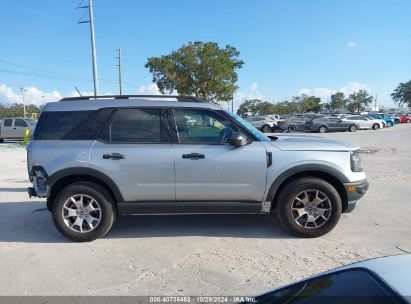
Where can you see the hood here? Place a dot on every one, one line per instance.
(311, 143)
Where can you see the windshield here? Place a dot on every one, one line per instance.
(260, 136)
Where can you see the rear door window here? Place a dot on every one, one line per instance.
(134, 125)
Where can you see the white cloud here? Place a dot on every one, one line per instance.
(352, 87)
(149, 89)
(254, 86)
(352, 44)
(325, 93)
(32, 95)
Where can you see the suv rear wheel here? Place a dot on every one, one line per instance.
(83, 211)
(309, 207)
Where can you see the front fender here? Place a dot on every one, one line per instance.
(298, 168)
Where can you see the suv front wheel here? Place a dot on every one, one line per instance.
(309, 207)
(83, 211)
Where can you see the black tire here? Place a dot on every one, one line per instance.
(291, 129)
(100, 195)
(1, 140)
(376, 126)
(287, 198)
(389, 124)
(323, 129)
(266, 129)
(353, 128)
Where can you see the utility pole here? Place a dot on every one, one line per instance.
(119, 71)
(22, 89)
(93, 46)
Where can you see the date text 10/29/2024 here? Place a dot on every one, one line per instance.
(202, 299)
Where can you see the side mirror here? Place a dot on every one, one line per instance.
(237, 140)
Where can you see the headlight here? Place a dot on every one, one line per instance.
(356, 162)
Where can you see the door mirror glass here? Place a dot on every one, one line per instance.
(238, 140)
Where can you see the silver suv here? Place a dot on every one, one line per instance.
(94, 158)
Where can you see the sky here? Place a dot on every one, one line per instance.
(289, 47)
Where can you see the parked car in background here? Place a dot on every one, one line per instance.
(363, 122)
(405, 119)
(15, 128)
(329, 124)
(339, 115)
(274, 117)
(389, 121)
(395, 117)
(262, 123)
(311, 116)
(380, 280)
(292, 124)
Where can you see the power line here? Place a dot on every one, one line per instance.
(55, 77)
(42, 70)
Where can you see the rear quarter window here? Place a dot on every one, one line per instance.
(71, 125)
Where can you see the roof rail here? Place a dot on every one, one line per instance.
(179, 98)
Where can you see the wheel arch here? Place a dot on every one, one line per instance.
(331, 175)
(60, 179)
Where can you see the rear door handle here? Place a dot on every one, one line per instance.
(193, 156)
(114, 156)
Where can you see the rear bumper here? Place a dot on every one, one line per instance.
(355, 191)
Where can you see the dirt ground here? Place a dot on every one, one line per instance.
(201, 254)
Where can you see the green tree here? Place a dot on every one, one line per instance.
(249, 106)
(337, 101)
(311, 104)
(402, 94)
(16, 109)
(357, 101)
(202, 69)
(265, 108)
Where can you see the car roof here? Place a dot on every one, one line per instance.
(91, 103)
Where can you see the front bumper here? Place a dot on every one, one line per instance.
(355, 191)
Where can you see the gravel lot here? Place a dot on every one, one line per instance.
(201, 254)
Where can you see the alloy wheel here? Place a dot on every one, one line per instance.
(311, 209)
(81, 213)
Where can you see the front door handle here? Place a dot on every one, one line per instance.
(114, 156)
(193, 156)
